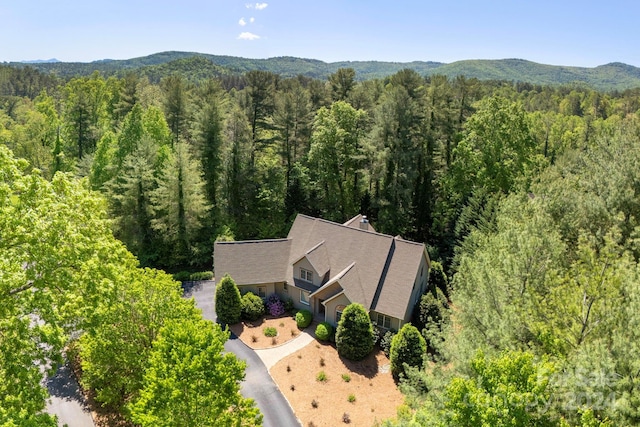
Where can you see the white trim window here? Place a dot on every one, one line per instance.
(262, 291)
(382, 321)
(304, 297)
(306, 275)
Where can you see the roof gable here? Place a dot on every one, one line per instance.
(318, 258)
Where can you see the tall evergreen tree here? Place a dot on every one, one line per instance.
(179, 207)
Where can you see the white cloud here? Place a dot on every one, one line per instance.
(252, 20)
(248, 36)
(257, 6)
(242, 22)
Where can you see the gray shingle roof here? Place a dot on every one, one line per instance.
(373, 269)
(252, 262)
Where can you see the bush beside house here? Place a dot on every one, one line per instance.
(228, 302)
(407, 347)
(324, 331)
(354, 336)
(303, 318)
(252, 306)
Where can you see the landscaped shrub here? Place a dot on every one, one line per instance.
(377, 335)
(322, 377)
(303, 318)
(270, 331)
(181, 276)
(385, 342)
(288, 305)
(354, 336)
(407, 347)
(201, 275)
(228, 301)
(252, 306)
(274, 305)
(324, 331)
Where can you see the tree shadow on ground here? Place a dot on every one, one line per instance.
(189, 287)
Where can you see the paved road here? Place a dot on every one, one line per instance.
(258, 384)
(66, 401)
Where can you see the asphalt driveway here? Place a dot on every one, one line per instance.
(257, 384)
(66, 401)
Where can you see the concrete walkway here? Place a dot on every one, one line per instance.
(271, 356)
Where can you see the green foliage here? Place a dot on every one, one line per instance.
(201, 275)
(200, 67)
(438, 279)
(228, 301)
(303, 318)
(288, 305)
(191, 380)
(510, 390)
(354, 336)
(432, 308)
(324, 331)
(346, 378)
(385, 342)
(181, 276)
(179, 208)
(270, 331)
(58, 258)
(336, 158)
(408, 347)
(252, 307)
(321, 377)
(114, 354)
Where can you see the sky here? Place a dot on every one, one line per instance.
(558, 32)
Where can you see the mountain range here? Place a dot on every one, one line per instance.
(608, 77)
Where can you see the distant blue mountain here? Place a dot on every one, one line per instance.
(198, 66)
(41, 61)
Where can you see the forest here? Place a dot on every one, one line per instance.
(527, 195)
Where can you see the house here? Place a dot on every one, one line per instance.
(324, 266)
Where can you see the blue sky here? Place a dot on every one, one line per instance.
(559, 32)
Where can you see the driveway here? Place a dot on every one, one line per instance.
(257, 384)
(66, 401)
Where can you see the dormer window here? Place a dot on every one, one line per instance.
(306, 275)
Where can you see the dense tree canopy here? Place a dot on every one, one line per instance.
(191, 383)
(526, 194)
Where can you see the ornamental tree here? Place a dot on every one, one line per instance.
(228, 301)
(407, 347)
(354, 336)
(191, 381)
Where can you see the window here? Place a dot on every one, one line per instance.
(304, 297)
(383, 321)
(285, 288)
(422, 271)
(262, 291)
(306, 275)
(339, 312)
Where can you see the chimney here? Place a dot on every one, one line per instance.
(364, 223)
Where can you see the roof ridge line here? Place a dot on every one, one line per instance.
(284, 239)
